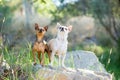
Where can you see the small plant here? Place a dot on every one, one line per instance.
(20, 63)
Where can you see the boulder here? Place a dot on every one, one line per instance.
(70, 74)
(84, 60)
(80, 65)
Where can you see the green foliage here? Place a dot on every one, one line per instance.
(68, 10)
(110, 58)
(64, 12)
(20, 58)
(6, 12)
(44, 7)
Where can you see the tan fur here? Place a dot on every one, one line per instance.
(39, 46)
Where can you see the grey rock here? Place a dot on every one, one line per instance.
(84, 60)
(70, 74)
(86, 66)
(36, 67)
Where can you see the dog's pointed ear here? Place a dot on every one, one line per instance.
(58, 24)
(46, 28)
(70, 28)
(36, 26)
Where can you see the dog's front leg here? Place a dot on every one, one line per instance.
(49, 55)
(52, 58)
(63, 59)
(42, 61)
(39, 54)
(59, 60)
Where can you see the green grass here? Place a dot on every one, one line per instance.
(23, 57)
(20, 58)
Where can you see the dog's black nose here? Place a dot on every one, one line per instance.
(62, 29)
(40, 30)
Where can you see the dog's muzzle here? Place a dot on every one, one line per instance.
(62, 29)
(40, 30)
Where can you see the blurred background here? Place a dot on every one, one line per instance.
(96, 26)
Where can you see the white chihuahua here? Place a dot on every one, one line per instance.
(58, 46)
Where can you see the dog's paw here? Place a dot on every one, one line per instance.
(64, 67)
(50, 67)
(34, 63)
(36, 67)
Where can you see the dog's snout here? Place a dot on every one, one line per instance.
(62, 29)
(40, 30)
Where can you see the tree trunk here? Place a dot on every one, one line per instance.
(28, 12)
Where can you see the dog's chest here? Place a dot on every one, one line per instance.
(61, 45)
(39, 46)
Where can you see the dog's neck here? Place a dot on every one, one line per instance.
(62, 37)
(39, 38)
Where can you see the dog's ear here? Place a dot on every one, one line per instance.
(70, 28)
(46, 28)
(58, 25)
(36, 26)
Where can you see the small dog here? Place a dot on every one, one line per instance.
(58, 46)
(40, 45)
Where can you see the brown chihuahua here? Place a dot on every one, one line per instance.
(40, 45)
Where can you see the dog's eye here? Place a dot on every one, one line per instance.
(59, 27)
(43, 30)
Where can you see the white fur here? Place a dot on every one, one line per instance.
(59, 44)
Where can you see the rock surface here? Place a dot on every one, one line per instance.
(84, 60)
(86, 67)
(70, 74)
